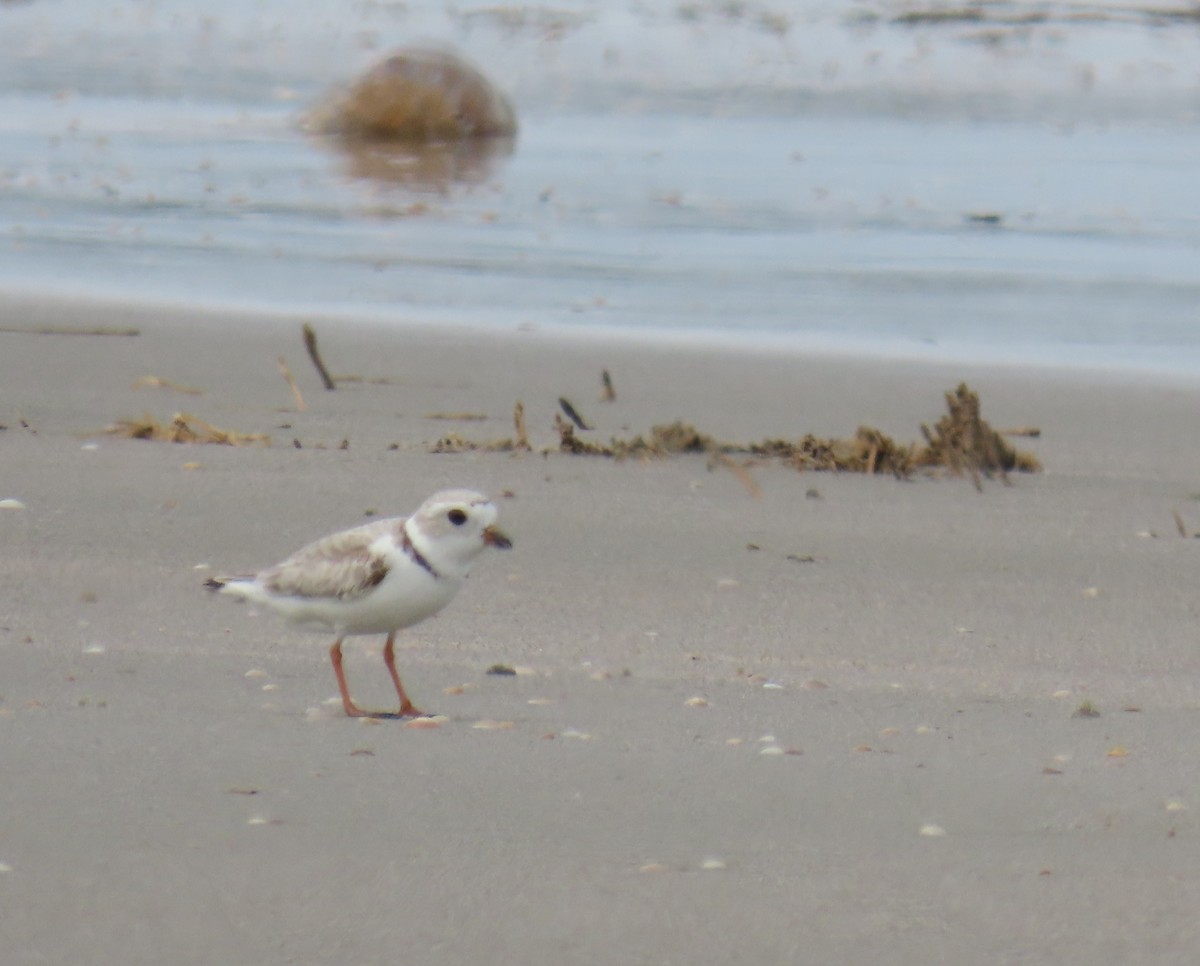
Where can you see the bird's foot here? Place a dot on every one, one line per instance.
(409, 712)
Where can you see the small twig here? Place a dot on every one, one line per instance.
(310, 343)
(1179, 524)
(1033, 432)
(291, 381)
(743, 475)
(572, 415)
(519, 425)
(607, 392)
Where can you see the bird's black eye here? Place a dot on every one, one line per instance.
(457, 517)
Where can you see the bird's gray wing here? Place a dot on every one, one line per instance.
(341, 565)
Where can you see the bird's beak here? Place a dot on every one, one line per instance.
(494, 538)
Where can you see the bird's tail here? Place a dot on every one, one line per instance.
(237, 586)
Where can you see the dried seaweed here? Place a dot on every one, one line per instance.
(453, 443)
(678, 437)
(183, 428)
(870, 451)
(665, 440)
(964, 443)
(568, 442)
(961, 442)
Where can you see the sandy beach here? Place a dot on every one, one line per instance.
(836, 722)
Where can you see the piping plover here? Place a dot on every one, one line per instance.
(378, 578)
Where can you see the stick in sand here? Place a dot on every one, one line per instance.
(565, 405)
(291, 381)
(1179, 524)
(310, 343)
(607, 392)
(519, 425)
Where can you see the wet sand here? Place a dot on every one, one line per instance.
(884, 764)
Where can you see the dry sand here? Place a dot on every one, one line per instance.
(161, 804)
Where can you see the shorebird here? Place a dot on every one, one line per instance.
(377, 578)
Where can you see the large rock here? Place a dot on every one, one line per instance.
(417, 95)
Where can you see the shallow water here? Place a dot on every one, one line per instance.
(1009, 189)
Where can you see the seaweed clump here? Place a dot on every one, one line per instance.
(964, 443)
(666, 440)
(454, 443)
(961, 442)
(868, 451)
(183, 428)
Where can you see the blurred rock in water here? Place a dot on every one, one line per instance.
(417, 94)
(424, 165)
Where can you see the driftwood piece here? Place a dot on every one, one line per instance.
(310, 343)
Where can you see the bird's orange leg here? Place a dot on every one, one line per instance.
(335, 655)
(407, 708)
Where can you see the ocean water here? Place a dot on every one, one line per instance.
(1009, 181)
